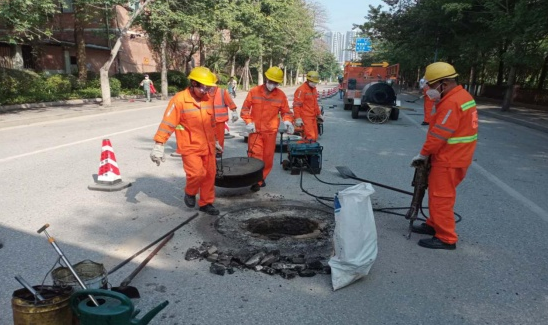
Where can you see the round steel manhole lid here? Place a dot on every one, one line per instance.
(289, 228)
(238, 172)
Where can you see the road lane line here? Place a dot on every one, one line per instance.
(543, 214)
(106, 136)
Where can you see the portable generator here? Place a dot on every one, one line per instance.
(303, 155)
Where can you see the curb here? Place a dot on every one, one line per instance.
(51, 104)
(514, 120)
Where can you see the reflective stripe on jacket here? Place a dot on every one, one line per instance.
(221, 104)
(305, 102)
(263, 109)
(453, 132)
(193, 124)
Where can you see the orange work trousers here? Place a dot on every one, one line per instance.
(442, 192)
(310, 129)
(200, 177)
(262, 146)
(220, 133)
(428, 106)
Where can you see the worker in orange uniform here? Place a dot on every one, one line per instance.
(222, 102)
(190, 115)
(450, 145)
(428, 105)
(260, 113)
(305, 106)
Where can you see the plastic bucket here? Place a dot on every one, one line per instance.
(94, 275)
(54, 310)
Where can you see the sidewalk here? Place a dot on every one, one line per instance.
(529, 117)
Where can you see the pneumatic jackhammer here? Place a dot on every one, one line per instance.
(420, 184)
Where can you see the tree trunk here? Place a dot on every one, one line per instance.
(508, 95)
(542, 76)
(472, 80)
(245, 74)
(105, 85)
(270, 66)
(291, 77)
(80, 43)
(260, 70)
(285, 74)
(297, 74)
(233, 66)
(202, 50)
(500, 74)
(164, 67)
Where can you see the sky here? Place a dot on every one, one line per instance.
(343, 13)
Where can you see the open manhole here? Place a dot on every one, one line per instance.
(278, 227)
(288, 228)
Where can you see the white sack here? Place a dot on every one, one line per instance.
(355, 236)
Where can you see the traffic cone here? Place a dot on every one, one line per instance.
(108, 177)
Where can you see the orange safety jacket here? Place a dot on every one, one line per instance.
(453, 132)
(193, 122)
(262, 109)
(221, 104)
(305, 102)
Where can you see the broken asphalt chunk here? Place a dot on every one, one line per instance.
(217, 268)
(307, 273)
(288, 274)
(192, 254)
(255, 259)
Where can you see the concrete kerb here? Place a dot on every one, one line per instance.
(70, 102)
(513, 118)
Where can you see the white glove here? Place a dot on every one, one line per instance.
(289, 128)
(218, 147)
(157, 154)
(418, 159)
(250, 127)
(299, 122)
(319, 118)
(234, 116)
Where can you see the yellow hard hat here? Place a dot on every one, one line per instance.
(203, 75)
(313, 76)
(438, 71)
(275, 74)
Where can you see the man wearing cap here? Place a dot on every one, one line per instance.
(260, 112)
(305, 106)
(190, 115)
(450, 145)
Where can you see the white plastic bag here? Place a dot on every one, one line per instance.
(355, 236)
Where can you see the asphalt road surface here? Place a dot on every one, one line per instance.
(497, 275)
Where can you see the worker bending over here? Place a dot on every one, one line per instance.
(450, 145)
(190, 115)
(260, 113)
(305, 106)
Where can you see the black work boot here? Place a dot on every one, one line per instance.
(424, 229)
(210, 209)
(263, 184)
(435, 243)
(255, 187)
(190, 200)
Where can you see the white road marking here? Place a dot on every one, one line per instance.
(543, 214)
(105, 136)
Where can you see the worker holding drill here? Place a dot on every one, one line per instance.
(305, 106)
(260, 112)
(450, 145)
(190, 115)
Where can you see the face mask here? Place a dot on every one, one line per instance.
(434, 94)
(270, 86)
(312, 84)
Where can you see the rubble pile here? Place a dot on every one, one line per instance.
(268, 262)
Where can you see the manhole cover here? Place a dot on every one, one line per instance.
(288, 228)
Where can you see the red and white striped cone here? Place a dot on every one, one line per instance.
(108, 177)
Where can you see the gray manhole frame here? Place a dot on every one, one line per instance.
(232, 236)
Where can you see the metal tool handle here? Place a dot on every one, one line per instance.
(29, 288)
(44, 227)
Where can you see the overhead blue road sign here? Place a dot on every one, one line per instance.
(363, 45)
